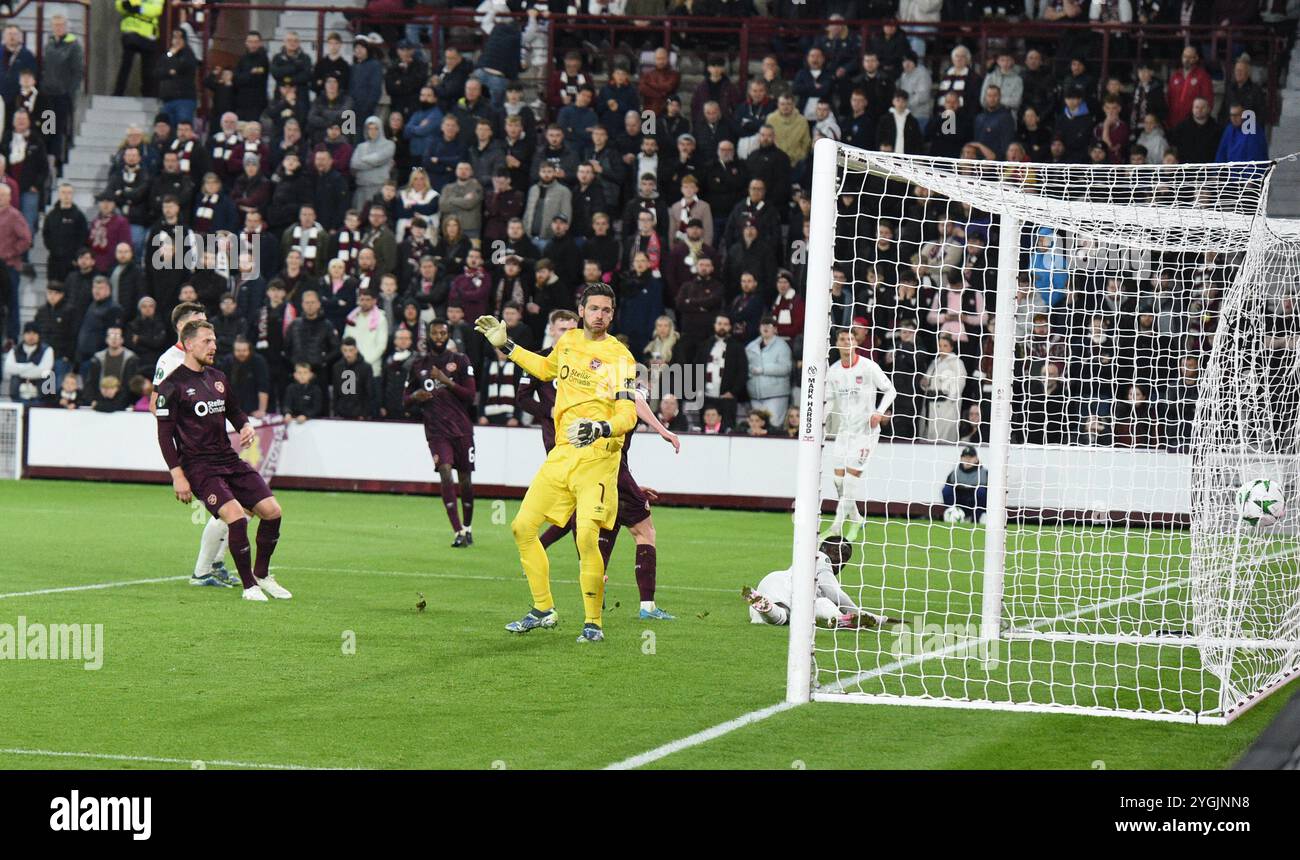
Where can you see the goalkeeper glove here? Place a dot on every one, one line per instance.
(584, 431)
(492, 329)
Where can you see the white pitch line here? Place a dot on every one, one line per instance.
(98, 586)
(481, 578)
(150, 759)
(762, 714)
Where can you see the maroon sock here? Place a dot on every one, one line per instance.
(552, 534)
(467, 502)
(241, 552)
(607, 539)
(268, 533)
(449, 501)
(645, 570)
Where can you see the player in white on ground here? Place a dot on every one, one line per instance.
(853, 385)
(770, 602)
(210, 567)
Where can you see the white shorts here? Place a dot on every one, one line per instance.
(853, 451)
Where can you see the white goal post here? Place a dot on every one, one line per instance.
(1119, 346)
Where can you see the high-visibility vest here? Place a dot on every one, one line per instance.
(143, 22)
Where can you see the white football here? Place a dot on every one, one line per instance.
(954, 515)
(1261, 502)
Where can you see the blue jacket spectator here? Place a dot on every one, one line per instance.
(442, 158)
(12, 64)
(995, 127)
(425, 124)
(367, 84)
(1238, 144)
(1047, 268)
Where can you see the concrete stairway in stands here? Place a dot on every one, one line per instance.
(100, 132)
(1284, 196)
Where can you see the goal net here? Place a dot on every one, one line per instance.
(1087, 362)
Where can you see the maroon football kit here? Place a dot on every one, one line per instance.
(447, 427)
(192, 410)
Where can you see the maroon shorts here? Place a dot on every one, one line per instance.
(456, 450)
(216, 485)
(633, 506)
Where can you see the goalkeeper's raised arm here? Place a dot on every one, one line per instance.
(594, 408)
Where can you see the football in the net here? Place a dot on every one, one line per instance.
(1261, 502)
(954, 515)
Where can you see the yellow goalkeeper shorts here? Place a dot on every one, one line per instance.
(581, 478)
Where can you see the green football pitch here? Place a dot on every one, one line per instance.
(349, 674)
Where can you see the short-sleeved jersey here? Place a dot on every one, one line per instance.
(196, 405)
(172, 358)
(594, 379)
(852, 393)
(447, 412)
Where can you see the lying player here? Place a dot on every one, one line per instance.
(852, 386)
(441, 384)
(832, 607)
(192, 410)
(210, 567)
(595, 410)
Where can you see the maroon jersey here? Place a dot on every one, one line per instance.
(447, 412)
(192, 410)
(537, 398)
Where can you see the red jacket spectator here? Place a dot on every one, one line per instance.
(1186, 87)
(658, 83)
(472, 291)
(15, 237)
(105, 235)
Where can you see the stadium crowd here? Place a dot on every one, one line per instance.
(334, 205)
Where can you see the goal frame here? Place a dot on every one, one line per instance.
(827, 155)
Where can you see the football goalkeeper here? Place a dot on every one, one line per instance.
(593, 410)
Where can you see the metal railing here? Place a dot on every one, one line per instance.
(788, 39)
(42, 26)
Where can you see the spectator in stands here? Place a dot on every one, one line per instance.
(176, 85)
(813, 83)
(1148, 97)
(547, 199)
(1188, 83)
(311, 338)
(62, 70)
(1134, 419)
(126, 281)
(139, 29)
(966, 487)
(898, 130)
(371, 162)
(303, 399)
(995, 126)
(15, 239)
(113, 360)
(449, 78)
(1197, 137)
(393, 380)
(229, 325)
(292, 65)
(1241, 89)
(726, 370)
(1074, 125)
(251, 75)
(331, 64)
(962, 79)
(769, 362)
(1243, 137)
(28, 369)
(352, 389)
(1152, 139)
(250, 378)
(64, 231)
(1112, 132)
(943, 381)
(951, 129)
(659, 82)
(147, 335)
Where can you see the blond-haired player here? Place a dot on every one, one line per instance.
(594, 408)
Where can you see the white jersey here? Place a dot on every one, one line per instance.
(171, 359)
(852, 393)
(778, 586)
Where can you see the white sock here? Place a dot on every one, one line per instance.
(648, 605)
(853, 494)
(839, 504)
(212, 546)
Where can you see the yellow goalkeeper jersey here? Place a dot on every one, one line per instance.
(593, 380)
